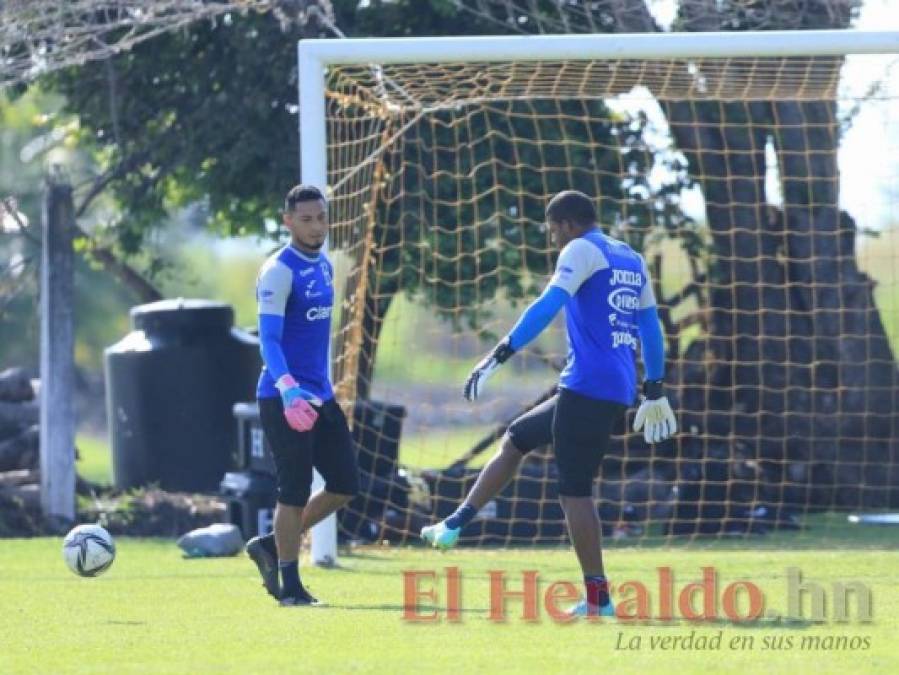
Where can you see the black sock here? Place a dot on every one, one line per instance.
(461, 517)
(290, 578)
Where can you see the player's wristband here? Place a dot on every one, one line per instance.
(503, 351)
(653, 389)
(286, 382)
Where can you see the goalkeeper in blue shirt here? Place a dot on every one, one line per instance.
(300, 419)
(606, 291)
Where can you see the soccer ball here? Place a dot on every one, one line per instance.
(88, 550)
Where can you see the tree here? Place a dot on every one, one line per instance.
(41, 36)
(802, 370)
(165, 124)
(209, 113)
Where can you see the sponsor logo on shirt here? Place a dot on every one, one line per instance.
(624, 300)
(626, 277)
(310, 291)
(306, 272)
(318, 313)
(622, 337)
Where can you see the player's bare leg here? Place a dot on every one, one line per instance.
(321, 505)
(586, 535)
(584, 528)
(264, 548)
(287, 522)
(495, 475)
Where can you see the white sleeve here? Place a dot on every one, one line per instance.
(578, 261)
(647, 295)
(273, 287)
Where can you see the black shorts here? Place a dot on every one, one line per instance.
(579, 429)
(328, 446)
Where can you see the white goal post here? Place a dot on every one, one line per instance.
(316, 55)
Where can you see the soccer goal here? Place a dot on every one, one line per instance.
(745, 167)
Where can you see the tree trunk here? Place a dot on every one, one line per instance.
(802, 371)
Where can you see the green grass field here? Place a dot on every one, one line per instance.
(156, 612)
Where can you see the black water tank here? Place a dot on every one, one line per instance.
(170, 387)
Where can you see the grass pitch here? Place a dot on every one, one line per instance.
(155, 612)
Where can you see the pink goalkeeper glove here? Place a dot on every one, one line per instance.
(298, 402)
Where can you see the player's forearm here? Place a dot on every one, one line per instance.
(538, 316)
(271, 328)
(652, 343)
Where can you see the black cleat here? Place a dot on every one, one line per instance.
(301, 599)
(259, 550)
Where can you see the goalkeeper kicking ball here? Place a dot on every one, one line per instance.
(88, 550)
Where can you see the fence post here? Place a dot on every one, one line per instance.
(57, 416)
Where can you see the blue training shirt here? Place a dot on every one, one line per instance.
(608, 283)
(298, 288)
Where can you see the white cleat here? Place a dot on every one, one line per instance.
(584, 609)
(440, 536)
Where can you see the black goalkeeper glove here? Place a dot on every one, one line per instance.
(474, 385)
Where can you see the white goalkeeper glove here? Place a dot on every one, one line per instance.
(655, 415)
(474, 385)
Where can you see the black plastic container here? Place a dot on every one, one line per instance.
(377, 428)
(253, 451)
(251, 498)
(171, 385)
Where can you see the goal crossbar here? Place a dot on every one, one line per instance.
(597, 46)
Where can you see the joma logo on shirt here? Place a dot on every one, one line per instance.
(624, 300)
(626, 277)
(620, 337)
(318, 313)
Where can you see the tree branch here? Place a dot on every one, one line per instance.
(103, 181)
(122, 271)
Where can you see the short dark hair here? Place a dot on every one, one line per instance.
(572, 206)
(302, 193)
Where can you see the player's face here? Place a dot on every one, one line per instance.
(561, 232)
(308, 224)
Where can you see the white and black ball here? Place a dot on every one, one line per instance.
(88, 550)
